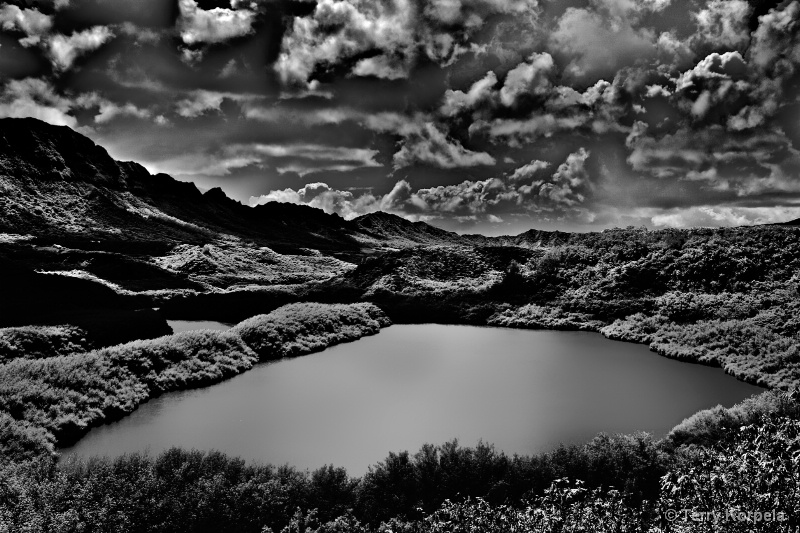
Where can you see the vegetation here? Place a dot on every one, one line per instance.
(57, 399)
(297, 329)
(34, 342)
(725, 297)
(619, 483)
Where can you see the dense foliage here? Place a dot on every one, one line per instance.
(596, 487)
(34, 342)
(726, 297)
(296, 329)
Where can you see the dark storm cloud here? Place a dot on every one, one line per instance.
(461, 112)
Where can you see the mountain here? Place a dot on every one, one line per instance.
(393, 231)
(59, 186)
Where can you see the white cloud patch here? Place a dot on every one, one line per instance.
(393, 32)
(108, 110)
(724, 24)
(527, 172)
(482, 91)
(567, 183)
(776, 42)
(203, 164)
(426, 144)
(31, 22)
(599, 109)
(756, 162)
(723, 216)
(64, 50)
(322, 196)
(200, 26)
(304, 159)
(599, 41)
(529, 78)
(484, 199)
(200, 102)
(36, 98)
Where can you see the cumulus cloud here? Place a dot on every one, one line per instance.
(36, 98)
(601, 108)
(715, 84)
(199, 103)
(566, 186)
(322, 196)
(392, 34)
(723, 24)
(526, 173)
(776, 42)
(720, 216)
(200, 26)
(28, 21)
(528, 78)
(426, 144)
(756, 162)
(528, 187)
(482, 91)
(64, 50)
(599, 40)
(108, 110)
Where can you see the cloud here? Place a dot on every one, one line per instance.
(392, 34)
(566, 186)
(28, 21)
(529, 78)
(200, 26)
(597, 42)
(140, 34)
(482, 91)
(716, 84)
(108, 110)
(36, 98)
(755, 162)
(202, 163)
(199, 103)
(304, 159)
(724, 24)
(64, 50)
(776, 42)
(721, 216)
(322, 196)
(601, 108)
(484, 199)
(526, 173)
(426, 144)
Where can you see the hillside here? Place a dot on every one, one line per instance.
(71, 211)
(95, 253)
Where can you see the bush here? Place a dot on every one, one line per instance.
(35, 342)
(297, 329)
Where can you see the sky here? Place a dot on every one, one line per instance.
(479, 116)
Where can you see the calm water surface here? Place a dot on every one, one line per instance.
(525, 391)
(193, 325)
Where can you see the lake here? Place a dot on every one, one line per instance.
(523, 390)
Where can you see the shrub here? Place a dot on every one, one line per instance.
(297, 329)
(35, 342)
